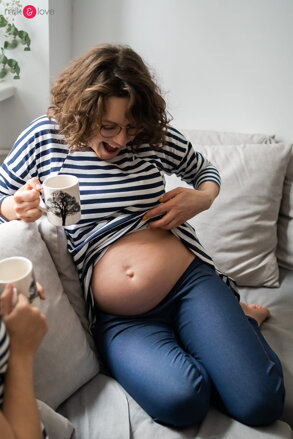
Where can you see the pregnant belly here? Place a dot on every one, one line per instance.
(138, 271)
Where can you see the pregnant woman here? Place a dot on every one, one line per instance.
(167, 324)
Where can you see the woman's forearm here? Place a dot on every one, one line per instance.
(211, 189)
(6, 431)
(19, 406)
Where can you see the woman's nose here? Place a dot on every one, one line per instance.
(122, 138)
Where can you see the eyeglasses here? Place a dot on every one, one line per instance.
(112, 130)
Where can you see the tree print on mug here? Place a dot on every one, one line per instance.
(62, 204)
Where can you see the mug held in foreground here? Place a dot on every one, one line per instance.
(18, 271)
(62, 199)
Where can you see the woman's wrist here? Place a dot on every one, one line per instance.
(6, 208)
(21, 360)
(211, 190)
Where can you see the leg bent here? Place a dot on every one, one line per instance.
(245, 371)
(147, 361)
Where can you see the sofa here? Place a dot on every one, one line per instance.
(249, 233)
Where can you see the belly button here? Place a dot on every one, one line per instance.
(130, 273)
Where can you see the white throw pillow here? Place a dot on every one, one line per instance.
(64, 361)
(285, 222)
(204, 137)
(240, 229)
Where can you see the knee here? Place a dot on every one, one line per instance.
(183, 408)
(261, 408)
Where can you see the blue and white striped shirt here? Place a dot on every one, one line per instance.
(115, 194)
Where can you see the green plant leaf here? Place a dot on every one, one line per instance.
(11, 44)
(3, 72)
(12, 30)
(14, 37)
(3, 21)
(13, 64)
(23, 35)
(3, 58)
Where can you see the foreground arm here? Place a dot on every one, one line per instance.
(26, 327)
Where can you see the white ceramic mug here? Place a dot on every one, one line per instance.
(62, 199)
(19, 272)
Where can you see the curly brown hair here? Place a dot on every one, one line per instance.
(79, 93)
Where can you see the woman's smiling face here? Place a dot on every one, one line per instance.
(115, 131)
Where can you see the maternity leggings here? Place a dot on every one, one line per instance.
(195, 348)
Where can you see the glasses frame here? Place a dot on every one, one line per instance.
(116, 129)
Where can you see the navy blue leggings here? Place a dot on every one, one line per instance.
(194, 349)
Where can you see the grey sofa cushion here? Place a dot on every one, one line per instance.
(218, 426)
(56, 425)
(65, 360)
(285, 221)
(98, 410)
(206, 137)
(55, 240)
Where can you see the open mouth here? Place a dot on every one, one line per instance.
(109, 148)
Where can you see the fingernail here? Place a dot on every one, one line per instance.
(161, 200)
(145, 217)
(39, 186)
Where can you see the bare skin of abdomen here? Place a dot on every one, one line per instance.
(138, 271)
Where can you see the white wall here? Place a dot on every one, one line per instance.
(60, 36)
(224, 64)
(32, 89)
(50, 32)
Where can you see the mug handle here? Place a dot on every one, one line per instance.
(42, 206)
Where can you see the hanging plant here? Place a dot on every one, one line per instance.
(13, 37)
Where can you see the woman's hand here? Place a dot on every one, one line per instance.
(25, 323)
(181, 204)
(26, 327)
(26, 201)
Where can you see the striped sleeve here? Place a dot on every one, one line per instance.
(191, 166)
(178, 156)
(38, 151)
(4, 354)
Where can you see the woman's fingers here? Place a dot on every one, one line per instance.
(6, 300)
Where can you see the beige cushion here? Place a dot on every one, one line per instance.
(239, 231)
(204, 137)
(285, 222)
(64, 361)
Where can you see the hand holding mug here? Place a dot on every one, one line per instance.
(61, 195)
(26, 201)
(18, 271)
